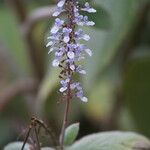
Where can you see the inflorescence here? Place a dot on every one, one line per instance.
(65, 41)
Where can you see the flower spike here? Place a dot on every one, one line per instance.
(65, 41)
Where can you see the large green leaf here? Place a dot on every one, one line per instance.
(112, 141)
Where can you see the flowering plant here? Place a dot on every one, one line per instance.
(66, 41)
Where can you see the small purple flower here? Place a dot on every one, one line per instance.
(55, 63)
(71, 55)
(72, 67)
(49, 44)
(80, 35)
(61, 3)
(73, 86)
(59, 54)
(59, 9)
(88, 8)
(86, 22)
(57, 12)
(64, 84)
(57, 26)
(80, 70)
(88, 51)
(80, 95)
(66, 32)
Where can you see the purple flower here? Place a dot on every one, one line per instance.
(66, 32)
(80, 95)
(72, 67)
(88, 8)
(65, 40)
(80, 35)
(59, 9)
(64, 84)
(71, 55)
(80, 70)
(86, 22)
(57, 26)
(88, 51)
(61, 3)
(55, 63)
(57, 12)
(59, 54)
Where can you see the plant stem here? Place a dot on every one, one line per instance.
(70, 9)
(65, 120)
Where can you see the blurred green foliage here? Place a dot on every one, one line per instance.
(120, 66)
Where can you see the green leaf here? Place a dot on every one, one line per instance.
(112, 141)
(16, 146)
(71, 133)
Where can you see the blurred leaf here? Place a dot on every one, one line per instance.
(102, 96)
(112, 141)
(137, 91)
(126, 121)
(17, 107)
(71, 133)
(105, 44)
(101, 100)
(16, 146)
(5, 131)
(49, 83)
(12, 38)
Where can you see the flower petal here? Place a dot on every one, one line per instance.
(66, 39)
(49, 44)
(88, 51)
(86, 37)
(54, 30)
(71, 55)
(61, 3)
(62, 89)
(55, 63)
(72, 67)
(84, 99)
